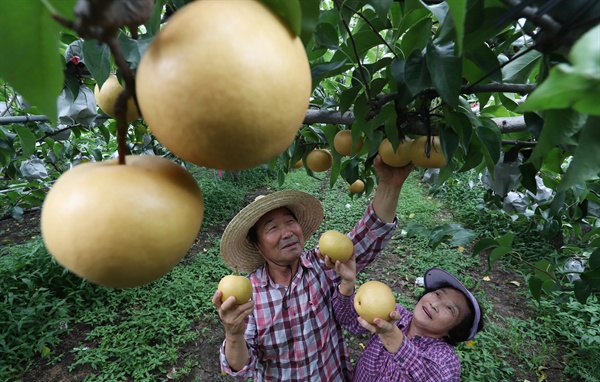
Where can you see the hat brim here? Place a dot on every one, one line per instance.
(436, 277)
(239, 253)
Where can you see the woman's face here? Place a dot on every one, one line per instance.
(438, 312)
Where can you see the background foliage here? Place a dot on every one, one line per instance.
(511, 88)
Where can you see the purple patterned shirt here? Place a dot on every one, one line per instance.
(304, 342)
(421, 359)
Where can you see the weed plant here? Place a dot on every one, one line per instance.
(36, 305)
(563, 330)
(138, 333)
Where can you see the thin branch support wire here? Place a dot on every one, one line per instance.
(361, 68)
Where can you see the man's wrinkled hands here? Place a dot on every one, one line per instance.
(347, 270)
(232, 315)
(392, 175)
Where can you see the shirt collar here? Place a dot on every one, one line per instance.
(262, 275)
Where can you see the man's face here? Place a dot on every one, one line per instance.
(280, 237)
(439, 311)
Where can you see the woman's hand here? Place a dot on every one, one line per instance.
(388, 332)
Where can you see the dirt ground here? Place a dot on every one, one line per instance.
(203, 353)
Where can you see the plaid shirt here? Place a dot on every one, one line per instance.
(419, 358)
(304, 342)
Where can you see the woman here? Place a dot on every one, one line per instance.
(412, 346)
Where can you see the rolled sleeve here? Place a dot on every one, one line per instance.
(370, 235)
(345, 314)
(242, 374)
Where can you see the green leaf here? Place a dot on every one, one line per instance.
(544, 265)
(520, 68)
(559, 127)
(414, 12)
(592, 277)
(416, 37)
(550, 229)
(554, 160)
(458, 10)
(321, 71)
(397, 70)
(153, 25)
(348, 97)
(364, 41)
(462, 125)
(310, 17)
(133, 49)
(450, 141)
(97, 59)
(582, 291)
(528, 174)
(550, 286)
(473, 157)
(506, 239)
(481, 24)
(30, 61)
(485, 244)
(455, 232)
(463, 236)
(289, 11)
(594, 260)
(586, 159)
(27, 139)
(565, 87)
(414, 229)
(326, 36)
(382, 7)
(104, 132)
(486, 62)
(416, 73)
(497, 253)
(585, 53)
(63, 7)
(491, 141)
(535, 287)
(446, 71)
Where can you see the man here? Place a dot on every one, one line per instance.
(288, 331)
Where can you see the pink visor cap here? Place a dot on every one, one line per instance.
(435, 278)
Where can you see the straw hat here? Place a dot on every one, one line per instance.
(436, 277)
(239, 253)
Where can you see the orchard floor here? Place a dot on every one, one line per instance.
(204, 352)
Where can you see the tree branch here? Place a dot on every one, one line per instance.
(40, 139)
(9, 104)
(360, 65)
(372, 28)
(332, 117)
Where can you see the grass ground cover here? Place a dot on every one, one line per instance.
(54, 323)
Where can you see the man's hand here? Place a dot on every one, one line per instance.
(394, 176)
(347, 272)
(232, 315)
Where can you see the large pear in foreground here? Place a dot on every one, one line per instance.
(122, 226)
(374, 299)
(225, 84)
